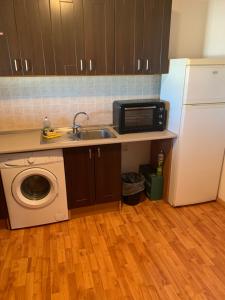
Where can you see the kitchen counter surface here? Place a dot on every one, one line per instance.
(30, 140)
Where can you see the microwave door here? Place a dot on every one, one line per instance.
(139, 117)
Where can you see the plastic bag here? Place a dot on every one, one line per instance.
(133, 183)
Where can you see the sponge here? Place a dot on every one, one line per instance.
(51, 135)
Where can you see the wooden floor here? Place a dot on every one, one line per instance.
(150, 251)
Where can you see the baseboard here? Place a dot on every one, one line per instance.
(220, 201)
(94, 209)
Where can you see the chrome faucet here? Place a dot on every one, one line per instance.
(76, 127)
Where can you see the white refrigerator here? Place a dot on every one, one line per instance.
(195, 91)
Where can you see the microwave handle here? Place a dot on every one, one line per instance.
(144, 107)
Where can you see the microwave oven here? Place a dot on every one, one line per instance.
(139, 115)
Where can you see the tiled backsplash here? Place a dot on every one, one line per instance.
(24, 102)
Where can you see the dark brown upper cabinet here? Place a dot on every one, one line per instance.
(26, 37)
(99, 36)
(10, 56)
(157, 14)
(67, 34)
(142, 36)
(5, 63)
(84, 37)
(83, 34)
(124, 36)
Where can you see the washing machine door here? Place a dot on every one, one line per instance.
(34, 188)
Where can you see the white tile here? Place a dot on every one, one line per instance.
(25, 101)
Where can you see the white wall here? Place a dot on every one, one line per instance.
(215, 29)
(134, 155)
(188, 26)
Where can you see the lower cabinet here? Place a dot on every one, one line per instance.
(93, 174)
(3, 206)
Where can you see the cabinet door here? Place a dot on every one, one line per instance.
(5, 63)
(142, 36)
(34, 34)
(67, 26)
(107, 173)
(46, 35)
(79, 171)
(156, 35)
(3, 206)
(139, 36)
(99, 36)
(164, 66)
(10, 59)
(26, 43)
(124, 36)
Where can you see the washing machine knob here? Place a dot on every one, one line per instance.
(30, 161)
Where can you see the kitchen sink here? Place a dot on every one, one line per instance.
(92, 134)
(67, 135)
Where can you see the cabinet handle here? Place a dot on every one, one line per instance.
(1, 33)
(147, 65)
(26, 65)
(139, 65)
(81, 65)
(90, 154)
(16, 65)
(90, 65)
(99, 152)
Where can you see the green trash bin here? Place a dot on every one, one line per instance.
(156, 187)
(153, 182)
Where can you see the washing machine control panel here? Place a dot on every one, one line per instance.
(30, 158)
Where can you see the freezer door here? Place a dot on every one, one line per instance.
(199, 155)
(204, 84)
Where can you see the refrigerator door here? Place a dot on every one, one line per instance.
(204, 84)
(199, 155)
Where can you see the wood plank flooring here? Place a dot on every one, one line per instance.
(151, 251)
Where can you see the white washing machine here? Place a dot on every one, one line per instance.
(34, 186)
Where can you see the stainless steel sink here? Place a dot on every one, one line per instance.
(67, 135)
(92, 134)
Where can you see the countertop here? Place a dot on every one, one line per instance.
(30, 140)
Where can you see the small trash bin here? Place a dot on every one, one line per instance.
(133, 185)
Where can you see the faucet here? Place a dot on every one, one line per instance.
(76, 127)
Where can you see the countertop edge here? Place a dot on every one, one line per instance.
(35, 145)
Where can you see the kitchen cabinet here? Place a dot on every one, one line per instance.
(124, 36)
(10, 57)
(107, 173)
(25, 37)
(67, 35)
(142, 36)
(93, 174)
(99, 36)
(3, 206)
(83, 35)
(79, 172)
(5, 65)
